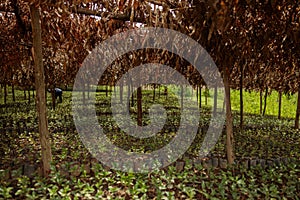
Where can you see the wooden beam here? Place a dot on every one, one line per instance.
(40, 89)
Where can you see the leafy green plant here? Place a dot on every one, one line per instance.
(6, 192)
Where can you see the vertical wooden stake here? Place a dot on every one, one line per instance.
(40, 89)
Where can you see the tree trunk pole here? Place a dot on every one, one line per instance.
(115, 90)
(215, 101)
(229, 121)
(297, 111)
(13, 92)
(279, 104)
(206, 95)
(241, 99)
(128, 95)
(132, 93)
(197, 94)
(224, 102)
(181, 97)
(265, 102)
(40, 89)
(200, 97)
(25, 94)
(121, 92)
(260, 102)
(139, 107)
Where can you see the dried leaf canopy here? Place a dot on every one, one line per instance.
(261, 36)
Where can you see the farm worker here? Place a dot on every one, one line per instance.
(58, 93)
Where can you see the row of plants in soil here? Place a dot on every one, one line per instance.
(263, 138)
(193, 182)
(256, 141)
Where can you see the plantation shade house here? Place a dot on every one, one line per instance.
(246, 40)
